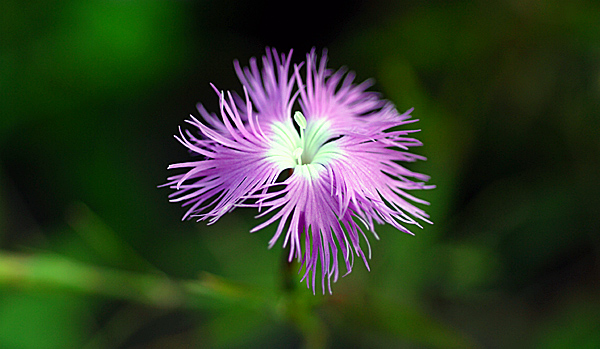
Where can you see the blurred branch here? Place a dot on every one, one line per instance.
(50, 271)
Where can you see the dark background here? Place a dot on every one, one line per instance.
(507, 92)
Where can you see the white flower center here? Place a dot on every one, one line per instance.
(290, 149)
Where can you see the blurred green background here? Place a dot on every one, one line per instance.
(92, 255)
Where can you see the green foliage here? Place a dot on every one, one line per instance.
(42, 319)
(93, 255)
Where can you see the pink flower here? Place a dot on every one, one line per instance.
(342, 150)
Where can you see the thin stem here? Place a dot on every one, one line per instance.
(298, 306)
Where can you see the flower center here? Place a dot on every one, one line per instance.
(305, 144)
(313, 137)
(298, 152)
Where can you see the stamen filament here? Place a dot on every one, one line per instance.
(301, 122)
(298, 155)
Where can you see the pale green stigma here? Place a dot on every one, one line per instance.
(298, 155)
(301, 122)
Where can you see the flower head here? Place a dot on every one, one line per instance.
(341, 149)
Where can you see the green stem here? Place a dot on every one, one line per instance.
(298, 306)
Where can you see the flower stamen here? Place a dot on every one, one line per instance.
(301, 122)
(298, 154)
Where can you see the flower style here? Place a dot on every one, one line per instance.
(340, 151)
